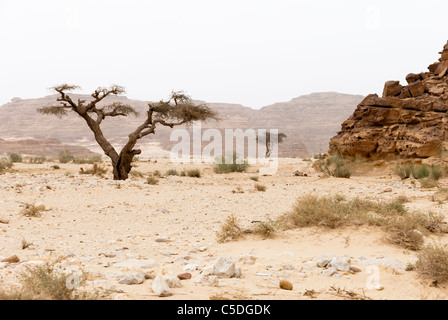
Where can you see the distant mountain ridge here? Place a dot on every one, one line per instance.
(309, 122)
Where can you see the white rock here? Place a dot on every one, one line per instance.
(160, 287)
(133, 278)
(173, 281)
(191, 267)
(137, 264)
(329, 272)
(340, 264)
(212, 281)
(224, 267)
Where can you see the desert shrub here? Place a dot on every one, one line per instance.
(230, 230)
(95, 170)
(87, 160)
(172, 172)
(55, 167)
(429, 183)
(194, 173)
(152, 180)
(37, 160)
(5, 164)
(433, 263)
(15, 158)
(404, 171)
(136, 174)
(43, 282)
(436, 172)
(254, 178)
(260, 187)
(403, 228)
(265, 228)
(335, 166)
(32, 210)
(230, 164)
(183, 173)
(319, 156)
(421, 172)
(157, 173)
(65, 156)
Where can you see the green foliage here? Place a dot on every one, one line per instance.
(172, 172)
(335, 166)
(15, 158)
(230, 164)
(65, 156)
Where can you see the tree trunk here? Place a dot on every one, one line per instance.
(122, 166)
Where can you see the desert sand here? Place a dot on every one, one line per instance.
(103, 227)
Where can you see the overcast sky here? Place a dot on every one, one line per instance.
(251, 52)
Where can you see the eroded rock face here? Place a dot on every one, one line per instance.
(407, 121)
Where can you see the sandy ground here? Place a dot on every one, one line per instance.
(174, 224)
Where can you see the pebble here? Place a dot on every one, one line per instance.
(13, 259)
(184, 276)
(286, 285)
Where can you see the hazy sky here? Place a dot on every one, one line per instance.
(252, 52)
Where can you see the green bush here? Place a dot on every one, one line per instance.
(194, 173)
(229, 164)
(404, 171)
(65, 156)
(172, 172)
(37, 160)
(15, 158)
(335, 166)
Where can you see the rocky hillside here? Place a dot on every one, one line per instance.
(409, 121)
(309, 122)
(41, 147)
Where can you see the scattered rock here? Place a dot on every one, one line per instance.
(191, 267)
(163, 239)
(13, 259)
(355, 270)
(286, 285)
(184, 276)
(209, 280)
(224, 267)
(133, 278)
(340, 264)
(329, 272)
(4, 221)
(160, 287)
(172, 281)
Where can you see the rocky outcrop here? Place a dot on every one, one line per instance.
(408, 121)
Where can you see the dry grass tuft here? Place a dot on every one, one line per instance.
(230, 230)
(43, 282)
(95, 170)
(433, 263)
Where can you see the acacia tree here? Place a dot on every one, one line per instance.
(178, 110)
(271, 140)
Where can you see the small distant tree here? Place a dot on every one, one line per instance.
(271, 140)
(178, 110)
